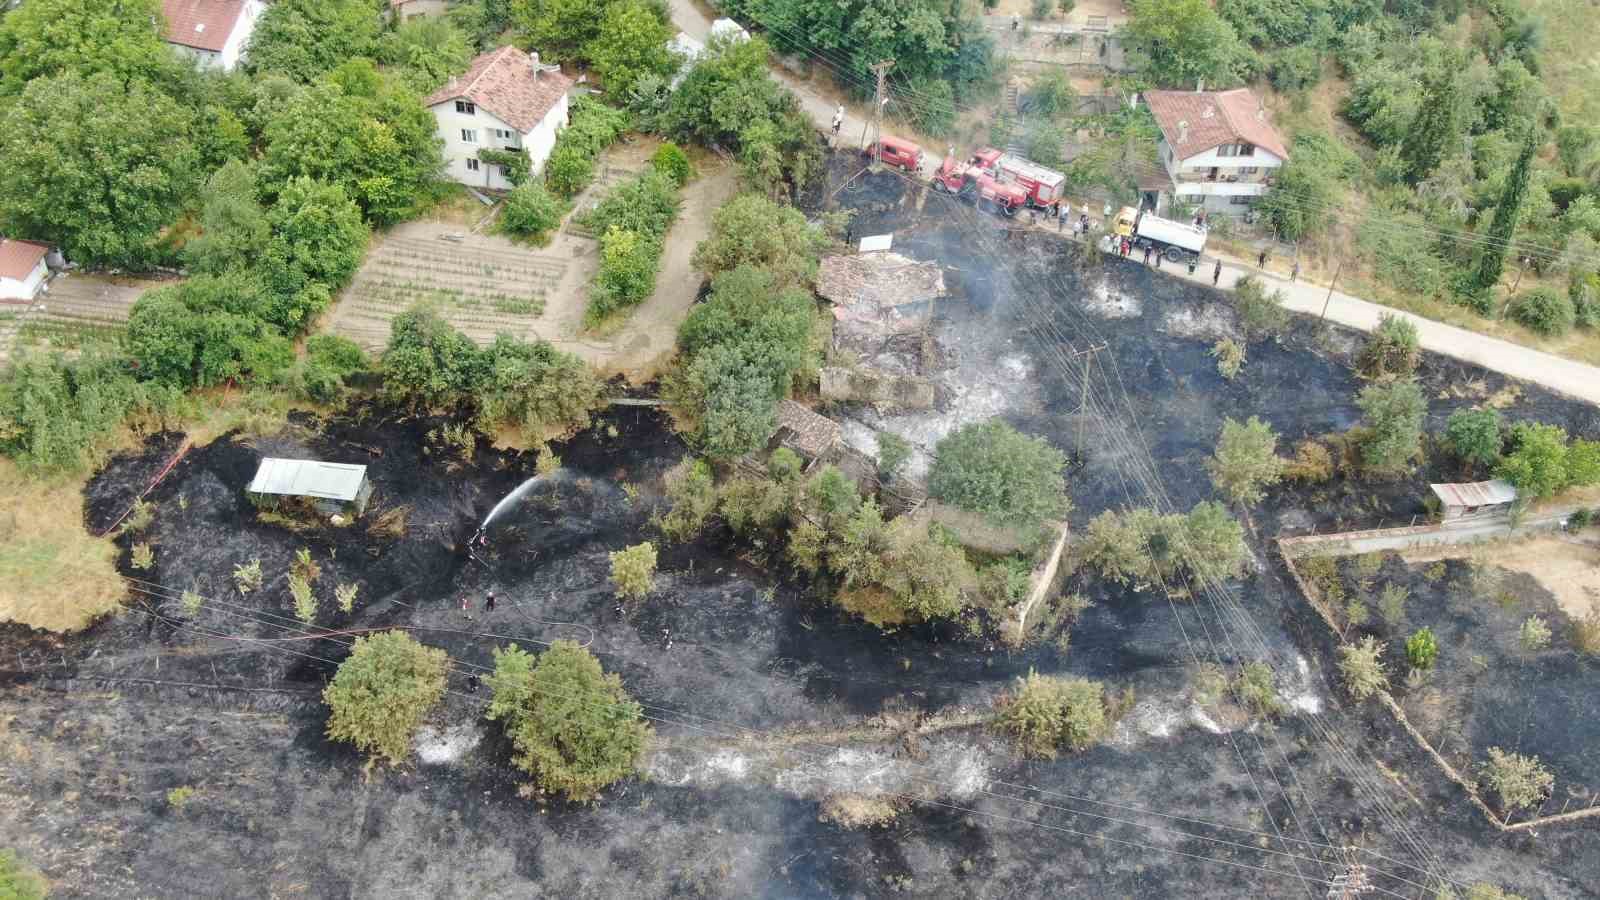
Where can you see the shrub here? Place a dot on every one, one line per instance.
(753, 504)
(1544, 310)
(381, 693)
(1312, 463)
(1261, 314)
(1045, 713)
(1254, 689)
(693, 495)
(730, 394)
(142, 556)
(752, 230)
(1520, 781)
(1586, 631)
(1246, 460)
(179, 797)
(191, 601)
(1392, 604)
(59, 413)
(1392, 349)
(993, 469)
(1534, 635)
(18, 882)
(1474, 435)
(1393, 414)
(893, 451)
(345, 595)
(629, 262)
(535, 390)
(1230, 358)
(1362, 668)
(1422, 649)
(633, 570)
(647, 204)
(305, 602)
(530, 211)
(574, 728)
(1537, 463)
(671, 161)
(591, 128)
(247, 576)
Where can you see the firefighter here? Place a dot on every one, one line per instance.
(838, 120)
(1216, 274)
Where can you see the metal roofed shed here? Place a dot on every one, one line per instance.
(329, 488)
(1475, 499)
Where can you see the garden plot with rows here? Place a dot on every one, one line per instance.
(482, 285)
(78, 309)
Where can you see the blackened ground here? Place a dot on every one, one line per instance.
(124, 476)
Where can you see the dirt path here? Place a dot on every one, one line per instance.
(644, 341)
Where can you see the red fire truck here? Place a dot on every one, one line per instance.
(1042, 185)
(975, 185)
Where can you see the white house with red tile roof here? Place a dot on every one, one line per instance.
(22, 269)
(1219, 147)
(505, 101)
(214, 33)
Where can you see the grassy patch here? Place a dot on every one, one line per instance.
(53, 574)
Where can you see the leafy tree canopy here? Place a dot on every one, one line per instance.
(1393, 413)
(56, 413)
(991, 468)
(46, 38)
(1474, 435)
(381, 693)
(1187, 42)
(1246, 460)
(751, 229)
(630, 43)
(305, 39)
(426, 51)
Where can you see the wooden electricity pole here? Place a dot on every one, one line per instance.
(1083, 392)
(880, 99)
(1337, 269)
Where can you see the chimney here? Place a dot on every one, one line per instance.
(1200, 86)
(533, 62)
(1183, 131)
(452, 82)
(1261, 112)
(1208, 112)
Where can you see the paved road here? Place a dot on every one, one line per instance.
(1567, 376)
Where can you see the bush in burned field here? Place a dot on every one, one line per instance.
(1246, 460)
(1392, 414)
(633, 570)
(693, 495)
(1261, 314)
(1474, 436)
(382, 692)
(891, 573)
(893, 451)
(1045, 713)
(1519, 781)
(17, 882)
(1392, 604)
(1254, 689)
(575, 729)
(1422, 649)
(1534, 635)
(1481, 890)
(1230, 358)
(1312, 463)
(991, 468)
(1362, 668)
(1393, 349)
(1143, 544)
(1586, 630)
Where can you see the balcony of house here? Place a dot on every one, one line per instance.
(1221, 183)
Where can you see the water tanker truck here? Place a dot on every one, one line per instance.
(1177, 241)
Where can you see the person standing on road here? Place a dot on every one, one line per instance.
(1216, 274)
(1147, 254)
(488, 603)
(1193, 261)
(1158, 260)
(1261, 259)
(466, 607)
(1061, 220)
(1294, 273)
(838, 120)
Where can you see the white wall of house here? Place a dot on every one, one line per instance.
(27, 288)
(1240, 179)
(465, 133)
(233, 49)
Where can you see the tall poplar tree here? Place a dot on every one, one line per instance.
(1436, 125)
(1492, 261)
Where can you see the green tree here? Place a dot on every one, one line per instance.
(1537, 463)
(893, 451)
(1261, 313)
(633, 570)
(574, 727)
(530, 211)
(750, 309)
(382, 692)
(631, 42)
(1246, 460)
(1213, 544)
(991, 468)
(1474, 435)
(1186, 42)
(428, 364)
(318, 239)
(1437, 124)
(1255, 690)
(629, 262)
(670, 160)
(206, 331)
(1392, 349)
(96, 166)
(1053, 96)
(47, 38)
(17, 882)
(1045, 713)
(1361, 665)
(1520, 781)
(304, 39)
(1546, 310)
(426, 51)
(534, 389)
(59, 413)
(751, 229)
(234, 231)
(1491, 260)
(558, 28)
(1422, 649)
(363, 131)
(734, 397)
(1392, 413)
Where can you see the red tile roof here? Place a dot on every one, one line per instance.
(1194, 122)
(18, 258)
(201, 24)
(505, 83)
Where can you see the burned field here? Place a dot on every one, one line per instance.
(781, 722)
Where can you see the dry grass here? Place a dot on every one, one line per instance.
(53, 574)
(859, 810)
(1562, 566)
(391, 523)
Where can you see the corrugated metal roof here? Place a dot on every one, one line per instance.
(1475, 493)
(308, 478)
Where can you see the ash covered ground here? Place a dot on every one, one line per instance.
(767, 702)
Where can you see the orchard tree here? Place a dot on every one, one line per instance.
(631, 42)
(574, 728)
(1361, 664)
(993, 469)
(305, 39)
(1246, 460)
(1537, 463)
(46, 38)
(382, 692)
(95, 166)
(1392, 414)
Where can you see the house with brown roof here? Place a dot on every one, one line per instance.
(22, 269)
(214, 33)
(506, 100)
(1219, 148)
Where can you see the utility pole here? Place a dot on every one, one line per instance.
(880, 99)
(1083, 392)
(1353, 881)
(1336, 271)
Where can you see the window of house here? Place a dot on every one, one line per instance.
(1247, 150)
(1226, 150)
(469, 136)
(1240, 200)
(1249, 170)
(466, 106)
(472, 164)
(505, 134)
(1191, 199)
